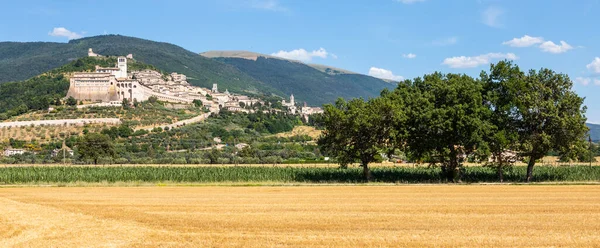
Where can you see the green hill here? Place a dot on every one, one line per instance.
(39, 92)
(20, 61)
(315, 84)
(594, 131)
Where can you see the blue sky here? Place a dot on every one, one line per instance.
(385, 38)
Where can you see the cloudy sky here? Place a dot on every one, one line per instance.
(392, 39)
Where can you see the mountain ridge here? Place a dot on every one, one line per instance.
(316, 84)
(242, 54)
(594, 131)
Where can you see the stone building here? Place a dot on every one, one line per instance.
(111, 85)
(92, 54)
(290, 105)
(115, 84)
(11, 152)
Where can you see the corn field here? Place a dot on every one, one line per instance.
(57, 174)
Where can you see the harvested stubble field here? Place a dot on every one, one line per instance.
(341, 216)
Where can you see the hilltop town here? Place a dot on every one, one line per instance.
(112, 86)
(137, 97)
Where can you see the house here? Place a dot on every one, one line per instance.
(11, 152)
(60, 152)
(241, 146)
(506, 156)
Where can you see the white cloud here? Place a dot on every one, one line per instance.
(470, 62)
(333, 56)
(409, 56)
(384, 74)
(586, 81)
(491, 16)
(409, 1)
(594, 66)
(303, 55)
(63, 32)
(524, 41)
(583, 81)
(546, 46)
(550, 47)
(445, 42)
(270, 5)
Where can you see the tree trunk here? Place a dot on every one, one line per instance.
(95, 161)
(500, 160)
(451, 171)
(500, 174)
(366, 171)
(530, 168)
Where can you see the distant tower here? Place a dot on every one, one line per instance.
(122, 65)
(292, 102)
(91, 53)
(226, 92)
(214, 89)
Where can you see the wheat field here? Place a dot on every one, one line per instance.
(321, 216)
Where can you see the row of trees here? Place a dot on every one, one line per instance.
(442, 118)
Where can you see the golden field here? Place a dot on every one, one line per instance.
(323, 216)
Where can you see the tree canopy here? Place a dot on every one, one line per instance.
(445, 119)
(94, 146)
(541, 108)
(357, 130)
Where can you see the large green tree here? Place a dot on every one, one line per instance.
(446, 120)
(502, 136)
(542, 109)
(94, 146)
(357, 130)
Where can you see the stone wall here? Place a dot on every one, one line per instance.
(78, 122)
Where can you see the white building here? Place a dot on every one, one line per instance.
(92, 54)
(11, 152)
(290, 105)
(114, 84)
(60, 152)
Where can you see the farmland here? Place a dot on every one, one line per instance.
(342, 216)
(59, 175)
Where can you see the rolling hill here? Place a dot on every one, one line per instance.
(308, 82)
(23, 60)
(315, 84)
(594, 131)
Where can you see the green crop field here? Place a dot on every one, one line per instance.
(292, 174)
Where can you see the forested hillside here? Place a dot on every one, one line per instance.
(20, 61)
(311, 83)
(594, 131)
(307, 83)
(38, 93)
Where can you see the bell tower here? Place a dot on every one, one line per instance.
(122, 65)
